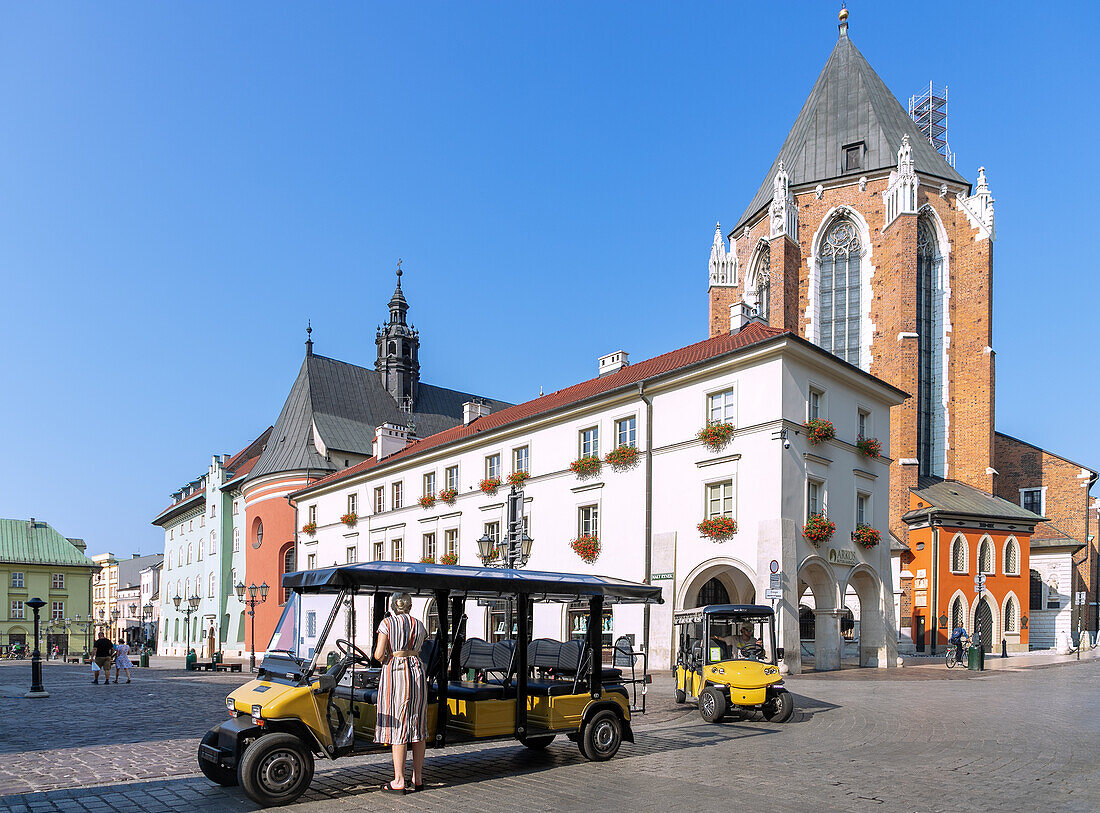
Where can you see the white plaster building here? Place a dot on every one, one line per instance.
(764, 381)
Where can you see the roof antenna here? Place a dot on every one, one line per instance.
(309, 338)
(843, 16)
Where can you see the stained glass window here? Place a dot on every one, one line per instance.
(840, 291)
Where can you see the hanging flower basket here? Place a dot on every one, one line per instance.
(350, 519)
(622, 458)
(448, 495)
(448, 559)
(427, 501)
(585, 467)
(818, 529)
(492, 557)
(587, 547)
(718, 528)
(866, 536)
(819, 430)
(489, 485)
(870, 447)
(716, 435)
(427, 560)
(518, 478)
(310, 528)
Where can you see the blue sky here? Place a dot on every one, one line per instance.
(184, 185)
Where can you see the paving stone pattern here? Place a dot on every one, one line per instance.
(917, 739)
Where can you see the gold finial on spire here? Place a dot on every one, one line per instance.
(843, 17)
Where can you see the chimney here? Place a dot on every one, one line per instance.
(31, 524)
(472, 410)
(741, 314)
(389, 439)
(613, 362)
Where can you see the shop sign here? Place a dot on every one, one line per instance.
(662, 577)
(840, 556)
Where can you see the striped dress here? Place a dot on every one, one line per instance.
(402, 686)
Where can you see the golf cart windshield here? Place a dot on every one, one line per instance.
(737, 636)
(304, 620)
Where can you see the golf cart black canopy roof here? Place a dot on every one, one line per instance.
(696, 614)
(474, 582)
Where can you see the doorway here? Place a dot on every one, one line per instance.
(983, 621)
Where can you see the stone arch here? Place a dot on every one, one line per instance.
(964, 604)
(759, 271)
(866, 272)
(872, 624)
(815, 575)
(736, 576)
(1010, 613)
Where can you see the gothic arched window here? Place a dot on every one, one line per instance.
(931, 420)
(1010, 614)
(839, 290)
(958, 614)
(958, 555)
(760, 282)
(289, 566)
(985, 556)
(1012, 557)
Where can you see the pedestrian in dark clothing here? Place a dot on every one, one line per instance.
(102, 655)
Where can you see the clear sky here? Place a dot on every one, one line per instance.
(184, 185)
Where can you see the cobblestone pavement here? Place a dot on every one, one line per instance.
(915, 739)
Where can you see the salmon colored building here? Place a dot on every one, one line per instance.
(957, 532)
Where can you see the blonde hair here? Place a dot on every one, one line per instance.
(401, 603)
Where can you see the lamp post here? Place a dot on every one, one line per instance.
(114, 624)
(133, 614)
(37, 689)
(511, 552)
(251, 603)
(191, 607)
(147, 621)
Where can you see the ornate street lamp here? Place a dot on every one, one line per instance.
(37, 689)
(251, 603)
(147, 621)
(511, 552)
(189, 608)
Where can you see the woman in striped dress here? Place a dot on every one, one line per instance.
(402, 715)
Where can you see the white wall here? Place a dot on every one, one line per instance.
(1044, 625)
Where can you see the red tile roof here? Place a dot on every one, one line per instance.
(753, 333)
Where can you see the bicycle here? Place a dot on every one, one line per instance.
(952, 657)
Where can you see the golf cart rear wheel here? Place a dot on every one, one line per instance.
(779, 707)
(602, 736)
(712, 705)
(681, 696)
(219, 774)
(276, 769)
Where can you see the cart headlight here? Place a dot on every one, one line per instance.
(771, 670)
(229, 704)
(257, 718)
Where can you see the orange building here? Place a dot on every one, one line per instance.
(956, 533)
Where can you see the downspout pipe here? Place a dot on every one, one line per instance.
(648, 505)
(1096, 565)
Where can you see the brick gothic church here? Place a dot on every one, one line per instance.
(864, 240)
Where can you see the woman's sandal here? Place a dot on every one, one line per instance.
(389, 788)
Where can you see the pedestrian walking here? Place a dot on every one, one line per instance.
(102, 652)
(402, 693)
(122, 659)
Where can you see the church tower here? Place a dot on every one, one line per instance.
(864, 240)
(398, 344)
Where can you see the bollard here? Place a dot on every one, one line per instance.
(1004, 648)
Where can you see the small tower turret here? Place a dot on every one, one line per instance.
(398, 344)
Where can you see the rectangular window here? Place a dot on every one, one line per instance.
(626, 432)
(398, 548)
(398, 495)
(210, 590)
(16, 579)
(311, 561)
(588, 520)
(590, 442)
(199, 557)
(492, 530)
(379, 499)
(379, 551)
(1032, 500)
(492, 467)
(311, 624)
(720, 499)
(17, 608)
(429, 484)
(815, 490)
(202, 521)
(213, 543)
(232, 577)
(235, 508)
(521, 459)
(863, 509)
(815, 404)
(863, 424)
(191, 525)
(236, 540)
(720, 407)
(353, 503)
(57, 610)
(450, 542)
(311, 514)
(352, 554)
(450, 477)
(213, 509)
(853, 157)
(429, 546)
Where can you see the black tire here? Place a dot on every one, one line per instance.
(779, 707)
(537, 743)
(681, 696)
(276, 769)
(712, 704)
(218, 774)
(602, 736)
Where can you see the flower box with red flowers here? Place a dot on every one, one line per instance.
(819, 430)
(718, 528)
(448, 495)
(310, 528)
(350, 519)
(818, 529)
(865, 536)
(448, 559)
(587, 466)
(489, 485)
(518, 478)
(869, 447)
(716, 435)
(587, 547)
(622, 458)
(427, 560)
(492, 557)
(427, 501)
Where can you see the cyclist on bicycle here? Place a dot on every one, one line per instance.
(957, 639)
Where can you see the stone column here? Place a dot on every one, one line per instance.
(826, 640)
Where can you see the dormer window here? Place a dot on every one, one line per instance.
(853, 157)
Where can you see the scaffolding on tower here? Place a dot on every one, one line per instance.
(929, 110)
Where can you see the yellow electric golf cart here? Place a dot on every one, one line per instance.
(316, 691)
(727, 656)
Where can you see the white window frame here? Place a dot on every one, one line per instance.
(863, 415)
(429, 480)
(631, 431)
(492, 469)
(18, 580)
(986, 539)
(311, 561)
(589, 446)
(823, 505)
(867, 515)
(351, 552)
(588, 516)
(450, 477)
(378, 550)
(18, 610)
(726, 410)
(397, 495)
(731, 496)
(1042, 498)
(451, 541)
(822, 412)
(1010, 543)
(492, 530)
(57, 610)
(210, 587)
(966, 554)
(353, 504)
(236, 540)
(379, 499)
(429, 545)
(526, 449)
(311, 513)
(397, 549)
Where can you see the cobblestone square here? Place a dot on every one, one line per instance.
(916, 739)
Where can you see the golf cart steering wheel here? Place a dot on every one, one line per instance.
(755, 651)
(350, 650)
